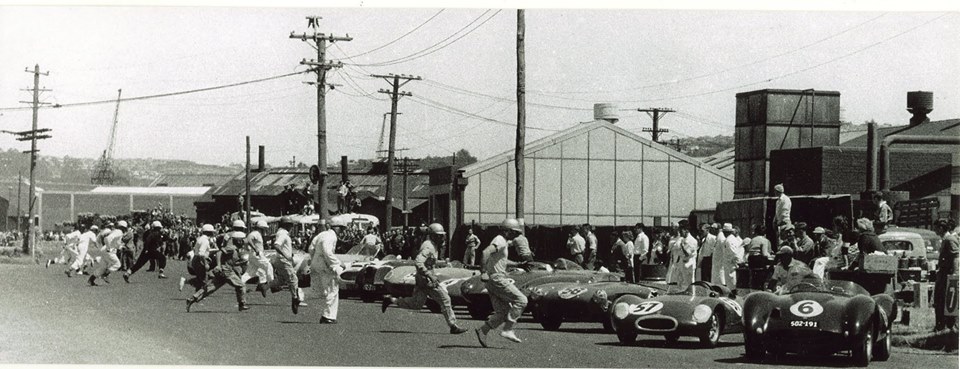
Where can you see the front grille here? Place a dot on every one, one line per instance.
(657, 324)
(369, 273)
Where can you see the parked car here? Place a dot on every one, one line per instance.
(819, 318)
(912, 242)
(702, 310)
(552, 304)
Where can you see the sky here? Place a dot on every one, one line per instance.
(693, 61)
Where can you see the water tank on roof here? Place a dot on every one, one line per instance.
(607, 112)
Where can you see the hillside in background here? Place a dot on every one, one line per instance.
(703, 146)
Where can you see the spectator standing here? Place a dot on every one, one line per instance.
(470, 254)
(624, 256)
(641, 249)
(726, 258)
(705, 254)
(590, 251)
(522, 246)
(683, 257)
(781, 214)
(946, 265)
(576, 244)
(327, 268)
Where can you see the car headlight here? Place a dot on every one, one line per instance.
(702, 313)
(468, 286)
(621, 310)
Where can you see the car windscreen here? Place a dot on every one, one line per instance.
(361, 250)
(692, 290)
(893, 245)
(834, 287)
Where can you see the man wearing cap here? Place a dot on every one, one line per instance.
(257, 263)
(867, 243)
(84, 241)
(726, 257)
(788, 271)
(427, 285)
(284, 246)
(705, 254)
(228, 271)
(805, 245)
(109, 261)
(69, 251)
(152, 243)
(508, 302)
(327, 268)
(683, 257)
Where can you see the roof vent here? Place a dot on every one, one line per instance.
(919, 103)
(607, 112)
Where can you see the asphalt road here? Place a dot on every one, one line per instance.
(46, 318)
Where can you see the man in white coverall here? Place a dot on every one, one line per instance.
(257, 263)
(683, 257)
(325, 266)
(508, 302)
(726, 257)
(86, 239)
(109, 261)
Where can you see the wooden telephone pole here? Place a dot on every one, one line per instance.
(521, 114)
(33, 135)
(395, 94)
(656, 113)
(320, 66)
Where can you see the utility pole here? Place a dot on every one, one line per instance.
(33, 135)
(383, 130)
(320, 66)
(19, 201)
(405, 165)
(521, 114)
(246, 196)
(656, 113)
(677, 145)
(395, 94)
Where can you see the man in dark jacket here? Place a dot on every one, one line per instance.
(947, 265)
(152, 250)
(868, 242)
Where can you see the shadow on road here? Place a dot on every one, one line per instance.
(597, 330)
(409, 332)
(833, 361)
(470, 347)
(682, 345)
(297, 322)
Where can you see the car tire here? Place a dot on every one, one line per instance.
(671, 338)
(608, 325)
(550, 322)
(626, 337)
(881, 352)
(711, 336)
(863, 351)
(477, 312)
(434, 307)
(754, 348)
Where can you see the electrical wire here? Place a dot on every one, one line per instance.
(701, 76)
(427, 51)
(451, 88)
(395, 40)
(147, 97)
(438, 105)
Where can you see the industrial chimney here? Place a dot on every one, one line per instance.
(260, 159)
(607, 112)
(919, 103)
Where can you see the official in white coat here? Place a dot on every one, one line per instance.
(257, 263)
(325, 266)
(683, 257)
(726, 257)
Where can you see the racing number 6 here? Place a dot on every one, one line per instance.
(806, 308)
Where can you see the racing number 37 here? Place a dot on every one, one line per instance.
(806, 309)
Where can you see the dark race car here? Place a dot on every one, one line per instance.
(552, 304)
(400, 281)
(821, 318)
(703, 310)
(474, 290)
(370, 280)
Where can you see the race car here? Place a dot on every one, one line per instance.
(474, 290)
(821, 318)
(371, 277)
(702, 310)
(552, 304)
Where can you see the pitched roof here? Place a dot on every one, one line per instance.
(949, 127)
(582, 128)
(191, 180)
(272, 182)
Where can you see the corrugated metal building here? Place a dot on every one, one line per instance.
(58, 207)
(597, 173)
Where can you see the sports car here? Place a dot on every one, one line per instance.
(703, 310)
(554, 303)
(478, 301)
(819, 317)
(370, 280)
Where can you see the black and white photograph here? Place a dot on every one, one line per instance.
(348, 183)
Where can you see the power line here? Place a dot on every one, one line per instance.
(147, 97)
(394, 40)
(498, 98)
(701, 76)
(427, 51)
(453, 110)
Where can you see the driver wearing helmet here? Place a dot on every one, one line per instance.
(427, 284)
(507, 300)
(788, 272)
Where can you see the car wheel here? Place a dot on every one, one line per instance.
(672, 338)
(608, 325)
(433, 306)
(863, 351)
(626, 337)
(477, 312)
(711, 335)
(550, 322)
(754, 350)
(882, 351)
